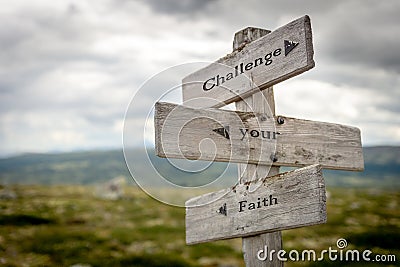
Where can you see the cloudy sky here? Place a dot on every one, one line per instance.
(68, 69)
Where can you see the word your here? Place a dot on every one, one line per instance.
(256, 133)
(224, 131)
(265, 202)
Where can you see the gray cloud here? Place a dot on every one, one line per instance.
(179, 7)
(365, 37)
(69, 70)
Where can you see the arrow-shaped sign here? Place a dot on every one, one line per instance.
(280, 55)
(257, 138)
(285, 201)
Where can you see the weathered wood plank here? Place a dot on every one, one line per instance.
(285, 201)
(280, 55)
(262, 102)
(256, 138)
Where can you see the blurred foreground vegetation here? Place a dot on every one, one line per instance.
(69, 225)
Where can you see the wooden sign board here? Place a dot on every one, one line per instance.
(285, 201)
(257, 138)
(282, 54)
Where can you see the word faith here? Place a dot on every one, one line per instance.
(265, 202)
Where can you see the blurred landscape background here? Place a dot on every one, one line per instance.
(84, 209)
(68, 71)
(382, 169)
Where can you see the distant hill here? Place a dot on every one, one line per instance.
(382, 169)
(94, 167)
(63, 168)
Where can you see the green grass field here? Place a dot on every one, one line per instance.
(67, 225)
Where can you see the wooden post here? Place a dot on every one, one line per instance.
(262, 101)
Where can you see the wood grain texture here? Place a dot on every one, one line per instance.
(259, 75)
(293, 199)
(262, 102)
(180, 132)
(247, 35)
(304, 142)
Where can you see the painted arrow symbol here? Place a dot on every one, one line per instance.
(222, 210)
(224, 131)
(289, 46)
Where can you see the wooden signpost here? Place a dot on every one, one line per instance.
(248, 137)
(284, 53)
(285, 201)
(264, 201)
